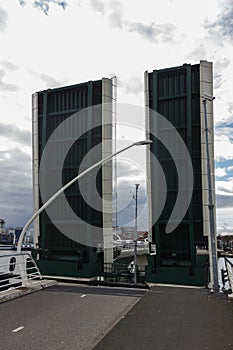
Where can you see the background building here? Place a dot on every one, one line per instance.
(176, 93)
(57, 254)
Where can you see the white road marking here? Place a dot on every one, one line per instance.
(17, 329)
(83, 296)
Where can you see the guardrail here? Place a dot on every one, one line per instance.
(18, 270)
(121, 272)
(227, 276)
(229, 269)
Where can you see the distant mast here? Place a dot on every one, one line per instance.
(2, 225)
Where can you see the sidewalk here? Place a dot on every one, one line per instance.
(11, 294)
(168, 318)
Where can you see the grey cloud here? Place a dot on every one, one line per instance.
(12, 132)
(6, 86)
(219, 67)
(230, 108)
(50, 81)
(44, 5)
(116, 14)
(15, 160)
(154, 32)
(226, 122)
(126, 188)
(199, 51)
(126, 215)
(126, 169)
(134, 85)
(47, 79)
(22, 2)
(225, 127)
(224, 189)
(98, 5)
(224, 201)
(114, 10)
(15, 187)
(9, 65)
(222, 133)
(223, 25)
(127, 175)
(222, 64)
(218, 81)
(3, 19)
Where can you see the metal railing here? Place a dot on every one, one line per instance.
(18, 270)
(227, 276)
(229, 269)
(122, 272)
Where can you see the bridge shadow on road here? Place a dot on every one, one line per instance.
(100, 290)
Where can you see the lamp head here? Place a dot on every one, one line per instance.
(208, 97)
(143, 142)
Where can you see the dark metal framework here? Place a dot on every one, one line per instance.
(60, 255)
(175, 94)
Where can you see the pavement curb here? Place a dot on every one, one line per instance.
(21, 291)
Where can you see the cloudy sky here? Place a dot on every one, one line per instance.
(51, 43)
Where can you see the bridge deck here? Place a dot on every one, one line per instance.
(168, 318)
(70, 316)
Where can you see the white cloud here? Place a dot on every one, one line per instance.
(4, 86)
(220, 172)
(224, 139)
(224, 216)
(154, 32)
(224, 187)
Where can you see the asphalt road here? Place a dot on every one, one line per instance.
(173, 318)
(68, 317)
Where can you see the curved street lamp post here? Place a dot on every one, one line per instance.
(136, 232)
(50, 200)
